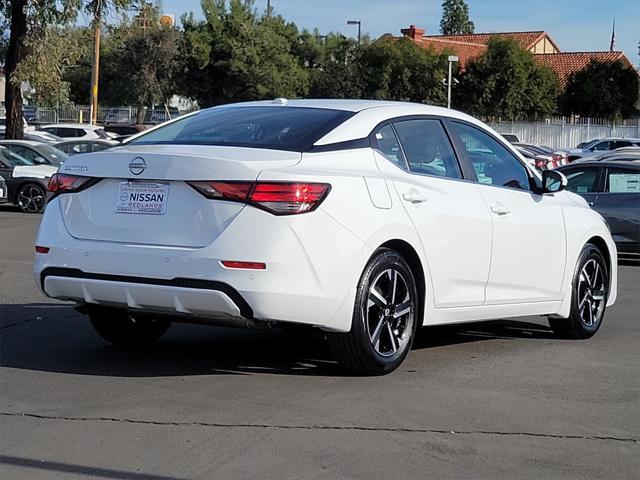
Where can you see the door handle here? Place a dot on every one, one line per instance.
(500, 209)
(414, 197)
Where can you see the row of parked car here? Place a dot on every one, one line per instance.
(26, 165)
(606, 173)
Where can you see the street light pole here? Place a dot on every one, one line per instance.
(451, 59)
(359, 23)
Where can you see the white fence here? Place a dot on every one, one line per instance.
(563, 135)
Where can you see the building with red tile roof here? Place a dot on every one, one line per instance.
(470, 46)
(564, 64)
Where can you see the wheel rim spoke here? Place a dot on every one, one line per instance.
(394, 286)
(376, 297)
(375, 336)
(402, 309)
(393, 340)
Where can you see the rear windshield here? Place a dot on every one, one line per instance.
(279, 128)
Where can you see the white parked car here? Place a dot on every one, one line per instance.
(599, 146)
(365, 219)
(76, 131)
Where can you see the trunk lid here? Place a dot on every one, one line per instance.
(143, 196)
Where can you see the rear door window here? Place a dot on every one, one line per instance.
(427, 148)
(623, 180)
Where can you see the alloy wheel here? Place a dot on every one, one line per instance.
(31, 199)
(591, 292)
(388, 313)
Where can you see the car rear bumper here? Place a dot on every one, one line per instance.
(300, 284)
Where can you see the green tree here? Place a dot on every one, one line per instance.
(28, 20)
(335, 72)
(506, 82)
(49, 56)
(146, 67)
(393, 69)
(602, 89)
(236, 55)
(455, 18)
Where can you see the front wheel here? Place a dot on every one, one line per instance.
(384, 317)
(590, 289)
(120, 327)
(31, 198)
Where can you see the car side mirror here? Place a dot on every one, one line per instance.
(553, 181)
(40, 160)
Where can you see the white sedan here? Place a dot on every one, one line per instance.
(365, 219)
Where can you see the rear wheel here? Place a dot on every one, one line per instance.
(384, 318)
(120, 327)
(590, 289)
(31, 198)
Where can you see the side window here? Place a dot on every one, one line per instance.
(387, 144)
(427, 148)
(82, 148)
(602, 146)
(79, 132)
(492, 162)
(581, 180)
(623, 180)
(23, 152)
(622, 143)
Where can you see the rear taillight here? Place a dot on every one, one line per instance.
(63, 183)
(541, 163)
(279, 198)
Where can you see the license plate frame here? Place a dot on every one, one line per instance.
(142, 197)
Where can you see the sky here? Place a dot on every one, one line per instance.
(575, 25)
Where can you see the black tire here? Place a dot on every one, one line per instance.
(589, 293)
(119, 327)
(31, 198)
(380, 317)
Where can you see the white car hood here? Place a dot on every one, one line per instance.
(34, 171)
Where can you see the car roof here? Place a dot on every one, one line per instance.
(336, 104)
(71, 125)
(86, 140)
(635, 164)
(31, 143)
(630, 139)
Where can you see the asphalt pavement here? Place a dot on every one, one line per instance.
(496, 400)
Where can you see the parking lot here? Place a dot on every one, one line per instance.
(497, 400)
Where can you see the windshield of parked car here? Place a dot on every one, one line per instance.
(13, 159)
(280, 128)
(54, 155)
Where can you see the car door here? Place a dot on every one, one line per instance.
(619, 204)
(529, 245)
(447, 211)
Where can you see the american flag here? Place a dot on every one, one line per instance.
(612, 46)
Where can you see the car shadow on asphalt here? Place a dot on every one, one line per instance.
(55, 338)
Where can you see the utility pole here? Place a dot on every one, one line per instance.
(268, 8)
(359, 23)
(95, 68)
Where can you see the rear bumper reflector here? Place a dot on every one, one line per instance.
(244, 265)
